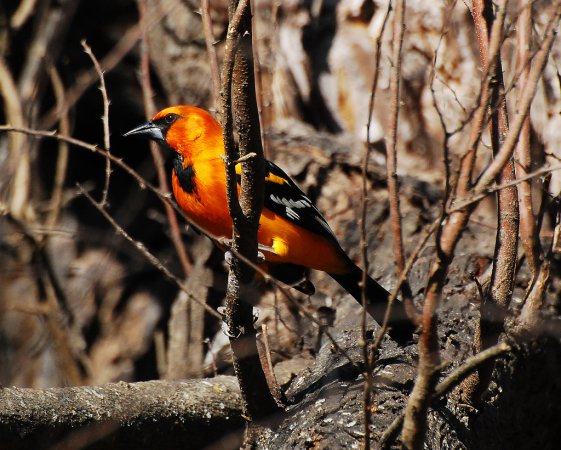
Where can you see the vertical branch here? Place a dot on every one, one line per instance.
(211, 49)
(62, 160)
(18, 188)
(538, 64)
(391, 159)
(528, 233)
(238, 77)
(450, 232)
(447, 237)
(498, 298)
(150, 110)
(263, 123)
(367, 397)
(104, 119)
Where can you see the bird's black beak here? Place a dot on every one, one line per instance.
(149, 130)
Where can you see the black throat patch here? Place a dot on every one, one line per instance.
(185, 175)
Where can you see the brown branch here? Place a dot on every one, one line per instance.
(522, 155)
(153, 414)
(238, 78)
(18, 151)
(446, 385)
(368, 366)
(494, 306)
(150, 110)
(211, 49)
(55, 203)
(104, 119)
(146, 253)
(87, 78)
(478, 122)
(391, 147)
(536, 69)
(528, 321)
(447, 237)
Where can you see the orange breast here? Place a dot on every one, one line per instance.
(207, 207)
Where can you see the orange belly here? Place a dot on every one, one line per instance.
(207, 207)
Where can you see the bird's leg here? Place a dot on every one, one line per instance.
(262, 250)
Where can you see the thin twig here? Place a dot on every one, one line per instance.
(499, 294)
(18, 150)
(104, 119)
(93, 148)
(211, 49)
(145, 252)
(391, 148)
(446, 385)
(528, 235)
(447, 236)
(85, 79)
(367, 397)
(538, 65)
(150, 110)
(55, 204)
(470, 200)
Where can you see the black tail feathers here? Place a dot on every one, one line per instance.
(401, 328)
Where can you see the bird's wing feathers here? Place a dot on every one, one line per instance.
(284, 198)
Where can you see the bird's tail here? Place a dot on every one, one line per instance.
(401, 328)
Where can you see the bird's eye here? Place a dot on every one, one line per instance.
(169, 118)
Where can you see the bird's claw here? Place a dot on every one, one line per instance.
(229, 257)
(226, 328)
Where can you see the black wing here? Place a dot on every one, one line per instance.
(285, 198)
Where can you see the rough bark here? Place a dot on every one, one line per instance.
(153, 414)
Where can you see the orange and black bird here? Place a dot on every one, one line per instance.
(293, 235)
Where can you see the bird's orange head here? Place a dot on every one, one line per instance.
(187, 130)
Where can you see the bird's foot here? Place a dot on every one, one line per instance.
(226, 328)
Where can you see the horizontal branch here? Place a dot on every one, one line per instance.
(152, 414)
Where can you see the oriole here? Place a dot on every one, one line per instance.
(292, 234)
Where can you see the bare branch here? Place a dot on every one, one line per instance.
(538, 65)
(447, 237)
(446, 385)
(391, 158)
(493, 308)
(104, 119)
(153, 414)
(238, 79)
(18, 190)
(211, 49)
(63, 151)
(150, 110)
(146, 253)
(528, 234)
(367, 400)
